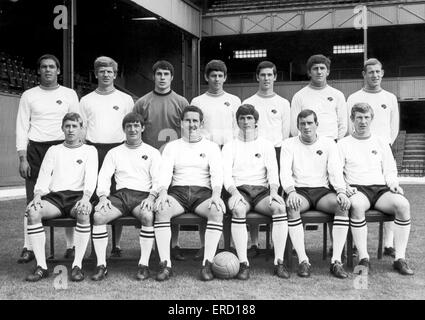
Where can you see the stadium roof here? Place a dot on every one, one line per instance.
(232, 6)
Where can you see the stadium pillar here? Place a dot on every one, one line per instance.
(68, 45)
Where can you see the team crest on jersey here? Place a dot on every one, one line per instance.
(330, 99)
(202, 155)
(274, 111)
(374, 152)
(227, 103)
(145, 157)
(383, 106)
(79, 161)
(115, 107)
(257, 155)
(319, 152)
(59, 102)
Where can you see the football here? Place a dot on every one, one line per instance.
(225, 265)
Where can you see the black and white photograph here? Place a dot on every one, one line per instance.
(218, 157)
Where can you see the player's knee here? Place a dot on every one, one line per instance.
(162, 215)
(339, 212)
(83, 218)
(99, 219)
(278, 210)
(293, 215)
(34, 216)
(402, 208)
(239, 212)
(357, 211)
(215, 216)
(146, 217)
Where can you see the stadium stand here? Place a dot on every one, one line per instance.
(14, 76)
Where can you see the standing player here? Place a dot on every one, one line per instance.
(135, 166)
(274, 118)
(327, 102)
(38, 123)
(371, 176)
(251, 177)
(64, 186)
(219, 108)
(309, 163)
(385, 123)
(161, 110)
(103, 111)
(191, 181)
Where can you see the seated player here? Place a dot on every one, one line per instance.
(191, 180)
(251, 177)
(135, 167)
(64, 186)
(309, 163)
(371, 176)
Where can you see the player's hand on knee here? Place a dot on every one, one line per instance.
(218, 203)
(104, 204)
(235, 200)
(162, 202)
(395, 188)
(343, 201)
(294, 201)
(147, 204)
(275, 197)
(351, 190)
(83, 206)
(36, 203)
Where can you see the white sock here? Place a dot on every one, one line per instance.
(27, 243)
(389, 234)
(146, 239)
(401, 237)
(37, 238)
(100, 242)
(240, 238)
(359, 231)
(82, 236)
(296, 232)
(339, 235)
(279, 235)
(212, 237)
(69, 237)
(163, 239)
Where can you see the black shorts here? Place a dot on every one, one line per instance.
(63, 200)
(253, 194)
(125, 200)
(313, 195)
(190, 197)
(373, 192)
(35, 155)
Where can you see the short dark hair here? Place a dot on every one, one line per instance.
(73, 116)
(266, 64)
(215, 65)
(104, 61)
(163, 64)
(48, 56)
(192, 109)
(316, 59)
(247, 109)
(131, 118)
(371, 62)
(304, 114)
(362, 107)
